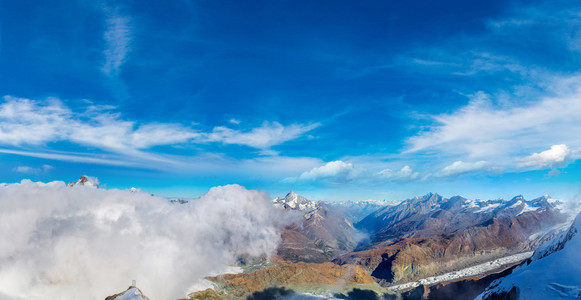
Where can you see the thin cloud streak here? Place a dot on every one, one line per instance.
(69, 158)
(32, 170)
(117, 37)
(268, 135)
(25, 122)
(460, 167)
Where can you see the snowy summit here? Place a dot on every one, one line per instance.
(293, 201)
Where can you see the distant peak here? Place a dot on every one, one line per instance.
(294, 201)
(85, 180)
(517, 198)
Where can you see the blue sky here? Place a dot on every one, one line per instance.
(338, 101)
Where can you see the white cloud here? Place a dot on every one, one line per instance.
(28, 122)
(117, 38)
(264, 137)
(71, 157)
(556, 156)
(235, 121)
(405, 174)
(61, 242)
(335, 171)
(25, 122)
(33, 170)
(460, 167)
(505, 132)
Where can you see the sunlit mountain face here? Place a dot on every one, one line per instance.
(289, 149)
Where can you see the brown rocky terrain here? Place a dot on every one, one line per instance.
(299, 277)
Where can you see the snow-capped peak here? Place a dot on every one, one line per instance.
(85, 181)
(293, 201)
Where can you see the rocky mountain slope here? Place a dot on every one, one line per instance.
(432, 235)
(322, 234)
(298, 277)
(553, 272)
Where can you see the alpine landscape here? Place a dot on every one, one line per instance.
(291, 150)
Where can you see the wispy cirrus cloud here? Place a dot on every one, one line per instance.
(489, 131)
(33, 170)
(117, 36)
(460, 167)
(72, 157)
(263, 137)
(338, 172)
(31, 123)
(406, 173)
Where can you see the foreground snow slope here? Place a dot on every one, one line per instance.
(132, 293)
(553, 272)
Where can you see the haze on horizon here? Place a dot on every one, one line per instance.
(337, 101)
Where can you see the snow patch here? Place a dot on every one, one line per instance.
(488, 207)
(527, 208)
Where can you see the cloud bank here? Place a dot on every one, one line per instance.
(82, 242)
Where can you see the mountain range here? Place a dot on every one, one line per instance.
(400, 243)
(431, 235)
